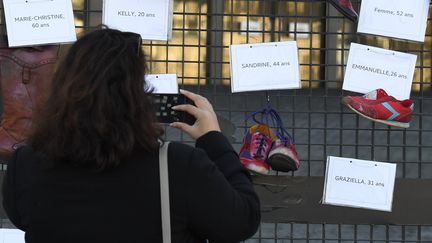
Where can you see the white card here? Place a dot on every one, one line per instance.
(36, 22)
(11, 236)
(151, 19)
(370, 68)
(163, 83)
(405, 19)
(359, 183)
(267, 66)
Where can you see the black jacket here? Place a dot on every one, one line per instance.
(211, 197)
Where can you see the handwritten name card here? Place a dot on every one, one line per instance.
(35, 22)
(404, 19)
(370, 68)
(359, 183)
(267, 66)
(151, 19)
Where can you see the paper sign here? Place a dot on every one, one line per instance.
(370, 68)
(35, 22)
(163, 83)
(11, 236)
(359, 183)
(405, 19)
(151, 19)
(266, 66)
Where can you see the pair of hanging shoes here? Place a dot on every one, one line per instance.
(263, 148)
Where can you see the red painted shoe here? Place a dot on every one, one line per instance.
(283, 155)
(346, 8)
(256, 146)
(379, 107)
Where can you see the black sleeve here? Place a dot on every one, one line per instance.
(222, 204)
(9, 191)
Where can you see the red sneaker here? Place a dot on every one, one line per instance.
(380, 107)
(256, 146)
(346, 8)
(283, 155)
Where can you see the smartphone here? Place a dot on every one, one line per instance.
(164, 102)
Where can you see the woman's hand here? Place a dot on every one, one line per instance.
(206, 119)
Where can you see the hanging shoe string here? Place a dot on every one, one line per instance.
(270, 115)
(282, 133)
(262, 117)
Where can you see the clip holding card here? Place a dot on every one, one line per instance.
(381, 53)
(362, 165)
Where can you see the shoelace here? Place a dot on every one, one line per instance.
(261, 144)
(275, 119)
(285, 140)
(281, 133)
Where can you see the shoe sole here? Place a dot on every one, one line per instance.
(281, 162)
(341, 10)
(390, 123)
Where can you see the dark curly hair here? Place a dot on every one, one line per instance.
(99, 108)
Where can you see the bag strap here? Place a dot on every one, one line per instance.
(164, 191)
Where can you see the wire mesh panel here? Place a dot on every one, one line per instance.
(321, 126)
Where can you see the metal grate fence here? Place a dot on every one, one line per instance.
(320, 125)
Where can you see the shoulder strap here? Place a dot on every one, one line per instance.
(164, 191)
